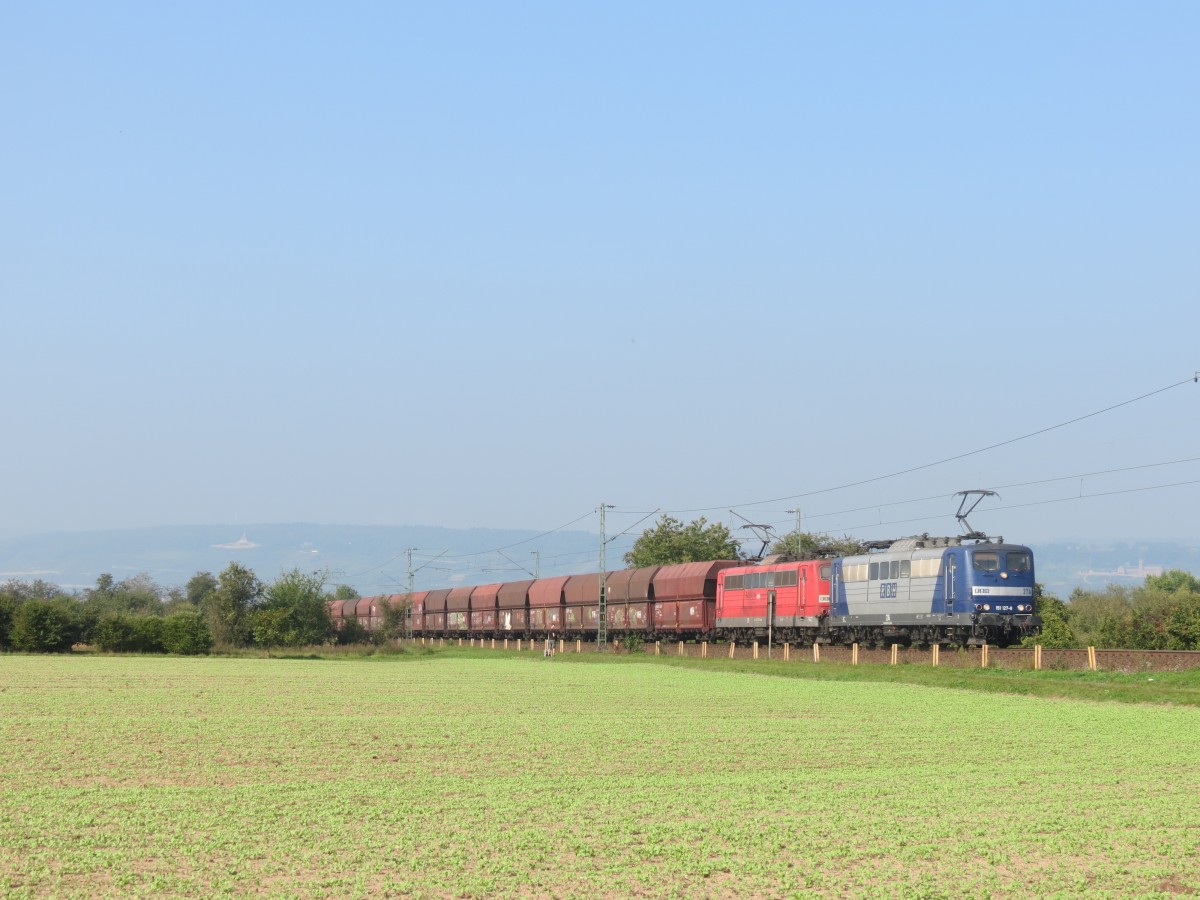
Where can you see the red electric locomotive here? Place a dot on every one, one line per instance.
(786, 601)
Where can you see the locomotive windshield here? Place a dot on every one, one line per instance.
(986, 561)
(1016, 561)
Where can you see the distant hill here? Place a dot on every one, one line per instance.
(1063, 566)
(371, 558)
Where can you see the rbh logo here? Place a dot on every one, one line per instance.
(887, 590)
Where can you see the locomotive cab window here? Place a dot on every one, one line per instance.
(905, 567)
(1019, 561)
(986, 561)
(825, 572)
(895, 569)
(874, 574)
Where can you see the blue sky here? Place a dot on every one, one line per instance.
(490, 264)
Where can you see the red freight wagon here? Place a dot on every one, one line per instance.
(512, 613)
(685, 596)
(791, 597)
(582, 597)
(483, 609)
(334, 608)
(458, 607)
(366, 610)
(630, 593)
(417, 603)
(435, 611)
(546, 604)
(393, 601)
(348, 608)
(581, 619)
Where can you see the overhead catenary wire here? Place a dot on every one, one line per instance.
(858, 483)
(1016, 484)
(1006, 486)
(445, 555)
(939, 462)
(590, 512)
(631, 527)
(1072, 499)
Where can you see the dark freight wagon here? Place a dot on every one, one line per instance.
(582, 598)
(350, 610)
(685, 597)
(483, 609)
(512, 609)
(458, 609)
(630, 593)
(417, 601)
(546, 605)
(435, 611)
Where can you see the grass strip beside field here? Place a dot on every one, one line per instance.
(1176, 687)
(492, 775)
(1181, 687)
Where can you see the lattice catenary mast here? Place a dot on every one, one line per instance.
(602, 617)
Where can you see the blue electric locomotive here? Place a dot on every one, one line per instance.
(927, 590)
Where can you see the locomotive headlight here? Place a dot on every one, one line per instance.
(1003, 574)
(987, 607)
(978, 607)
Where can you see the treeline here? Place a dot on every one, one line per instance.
(135, 615)
(1162, 614)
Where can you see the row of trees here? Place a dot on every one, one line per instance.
(670, 541)
(232, 609)
(1161, 614)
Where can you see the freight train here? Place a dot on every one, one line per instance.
(916, 590)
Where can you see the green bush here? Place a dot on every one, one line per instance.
(1056, 630)
(114, 633)
(43, 626)
(8, 606)
(633, 642)
(1183, 625)
(293, 612)
(129, 633)
(186, 633)
(149, 632)
(353, 633)
(395, 621)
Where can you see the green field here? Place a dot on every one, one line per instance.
(483, 775)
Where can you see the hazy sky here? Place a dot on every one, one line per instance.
(492, 264)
